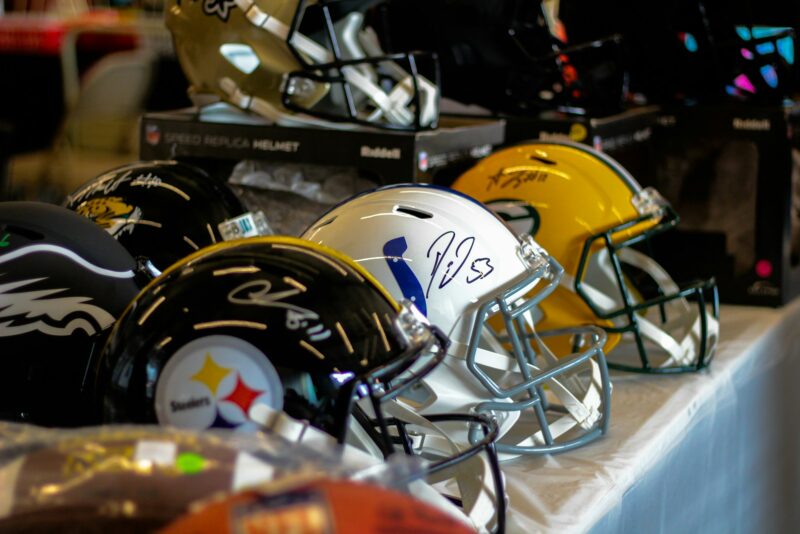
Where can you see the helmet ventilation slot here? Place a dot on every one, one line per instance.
(325, 223)
(542, 159)
(414, 212)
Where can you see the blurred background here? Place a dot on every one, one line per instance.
(76, 76)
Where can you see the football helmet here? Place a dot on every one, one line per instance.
(461, 266)
(63, 281)
(162, 211)
(507, 56)
(301, 62)
(589, 212)
(279, 333)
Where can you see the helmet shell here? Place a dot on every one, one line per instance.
(63, 281)
(158, 210)
(276, 321)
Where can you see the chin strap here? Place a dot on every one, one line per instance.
(473, 479)
(583, 404)
(393, 107)
(682, 350)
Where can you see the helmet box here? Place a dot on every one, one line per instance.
(625, 135)
(223, 133)
(733, 173)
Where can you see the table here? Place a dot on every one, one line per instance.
(716, 451)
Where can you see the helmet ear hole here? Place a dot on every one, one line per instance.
(414, 212)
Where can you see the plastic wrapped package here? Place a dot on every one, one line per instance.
(137, 479)
(292, 195)
(320, 506)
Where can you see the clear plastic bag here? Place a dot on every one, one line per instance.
(293, 195)
(138, 478)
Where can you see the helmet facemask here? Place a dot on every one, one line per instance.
(562, 401)
(474, 479)
(344, 76)
(662, 330)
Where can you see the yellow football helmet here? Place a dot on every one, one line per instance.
(301, 62)
(587, 211)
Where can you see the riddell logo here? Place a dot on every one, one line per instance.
(379, 152)
(760, 125)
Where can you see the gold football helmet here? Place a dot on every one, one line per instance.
(589, 212)
(301, 62)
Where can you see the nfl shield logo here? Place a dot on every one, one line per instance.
(152, 134)
(422, 161)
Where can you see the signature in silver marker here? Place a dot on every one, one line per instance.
(258, 293)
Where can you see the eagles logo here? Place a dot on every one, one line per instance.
(26, 306)
(111, 213)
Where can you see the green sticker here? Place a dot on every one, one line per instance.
(4, 242)
(190, 463)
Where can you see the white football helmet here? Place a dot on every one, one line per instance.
(473, 278)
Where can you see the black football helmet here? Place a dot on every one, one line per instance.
(507, 56)
(271, 332)
(164, 210)
(63, 281)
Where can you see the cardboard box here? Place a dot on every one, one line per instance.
(733, 175)
(223, 133)
(625, 136)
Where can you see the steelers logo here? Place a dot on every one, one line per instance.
(213, 381)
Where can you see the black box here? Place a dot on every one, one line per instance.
(733, 175)
(625, 136)
(222, 133)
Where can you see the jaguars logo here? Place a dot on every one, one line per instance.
(111, 213)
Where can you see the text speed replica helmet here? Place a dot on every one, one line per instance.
(162, 211)
(63, 281)
(283, 334)
(589, 212)
(461, 266)
(507, 56)
(301, 62)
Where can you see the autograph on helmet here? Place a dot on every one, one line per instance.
(103, 187)
(514, 177)
(479, 267)
(258, 293)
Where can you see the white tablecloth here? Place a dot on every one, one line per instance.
(715, 451)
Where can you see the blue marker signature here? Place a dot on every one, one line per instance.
(454, 261)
